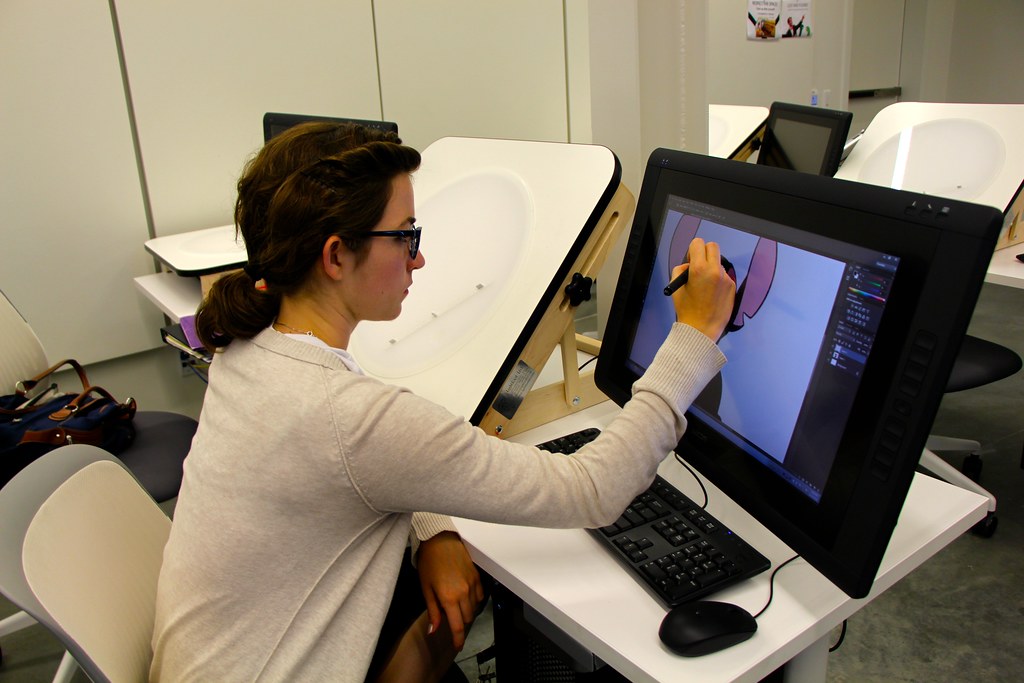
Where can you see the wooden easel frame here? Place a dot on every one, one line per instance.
(750, 145)
(557, 328)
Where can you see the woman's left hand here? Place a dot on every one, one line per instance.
(451, 584)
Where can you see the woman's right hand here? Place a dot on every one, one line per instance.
(705, 302)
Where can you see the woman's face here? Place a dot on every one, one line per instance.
(379, 283)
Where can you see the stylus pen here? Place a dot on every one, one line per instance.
(684, 276)
(677, 283)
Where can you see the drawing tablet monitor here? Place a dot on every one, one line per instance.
(274, 123)
(852, 302)
(805, 139)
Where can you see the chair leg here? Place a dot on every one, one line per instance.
(15, 622)
(67, 669)
(21, 620)
(948, 443)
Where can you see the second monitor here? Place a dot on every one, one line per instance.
(805, 139)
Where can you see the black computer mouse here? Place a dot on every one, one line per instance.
(703, 627)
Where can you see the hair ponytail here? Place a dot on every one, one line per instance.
(234, 309)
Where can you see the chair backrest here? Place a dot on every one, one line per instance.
(81, 544)
(21, 353)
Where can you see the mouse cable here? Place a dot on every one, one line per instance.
(842, 636)
(771, 580)
(771, 585)
(586, 364)
(771, 594)
(696, 477)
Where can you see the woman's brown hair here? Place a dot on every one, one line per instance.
(310, 182)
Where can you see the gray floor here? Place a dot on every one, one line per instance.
(959, 617)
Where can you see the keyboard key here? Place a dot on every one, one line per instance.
(633, 517)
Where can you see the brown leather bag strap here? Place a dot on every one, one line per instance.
(60, 436)
(24, 386)
(54, 437)
(82, 402)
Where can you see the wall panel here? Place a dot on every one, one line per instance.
(203, 73)
(71, 210)
(471, 68)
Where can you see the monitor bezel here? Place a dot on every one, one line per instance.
(275, 123)
(835, 121)
(944, 248)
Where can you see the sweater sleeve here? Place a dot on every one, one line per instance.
(407, 454)
(426, 525)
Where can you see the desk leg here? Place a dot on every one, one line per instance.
(507, 645)
(810, 665)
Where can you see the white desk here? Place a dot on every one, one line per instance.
(175, 295)
(731, 126)
(566, 577)
(1005, 269)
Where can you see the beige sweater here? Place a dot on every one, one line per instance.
(299, 490)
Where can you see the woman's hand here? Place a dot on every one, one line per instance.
(451, 584)
(706, 300)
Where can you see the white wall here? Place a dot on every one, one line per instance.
(987, 52)
(926, 51)
(72, 218)
(877, 44)
(756, 72)
(475, 69)
(202, 74)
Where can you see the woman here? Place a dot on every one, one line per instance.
(304, 475)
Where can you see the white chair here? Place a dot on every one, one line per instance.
(81, 544)
(156, 456)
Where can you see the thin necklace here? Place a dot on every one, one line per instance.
(308, 333)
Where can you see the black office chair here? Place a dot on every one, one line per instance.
(979, 362)
(156, 456)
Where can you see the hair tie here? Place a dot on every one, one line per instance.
(252, 272)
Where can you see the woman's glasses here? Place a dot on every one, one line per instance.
(411, 237)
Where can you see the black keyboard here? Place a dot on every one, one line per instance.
(671, 545)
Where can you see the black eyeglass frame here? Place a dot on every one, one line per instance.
(412, 236)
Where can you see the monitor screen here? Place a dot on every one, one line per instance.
(851, 304)
(275, 123)
(805, 139)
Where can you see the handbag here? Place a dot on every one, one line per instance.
(33, 423)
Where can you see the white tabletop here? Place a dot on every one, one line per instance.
(200, 251)
(173, 294)
(1005, 269)
(566, 577)
(970, 152)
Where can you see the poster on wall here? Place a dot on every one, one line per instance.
(795, 19)
(763, 19)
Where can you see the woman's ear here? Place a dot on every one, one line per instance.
(332, 257)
